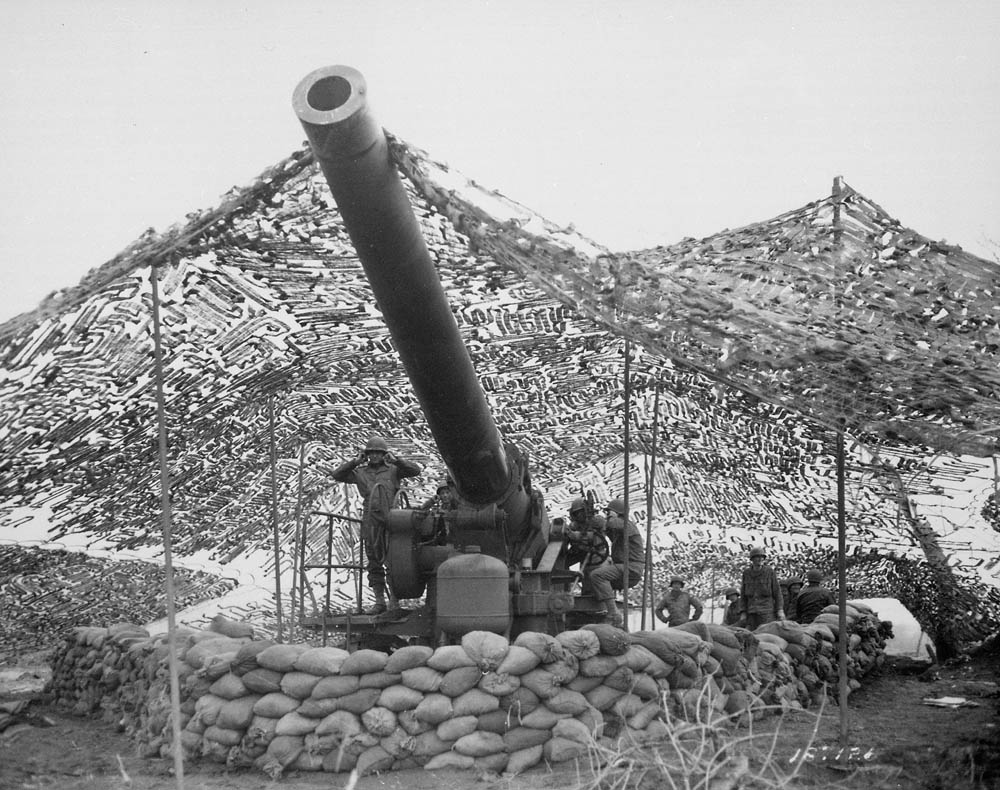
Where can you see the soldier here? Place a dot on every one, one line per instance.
(377, 474)
(675, 607)
(627, 553)
(585, 531)
(789, 592)
(760, 593)
(812, 598)
(732, 614)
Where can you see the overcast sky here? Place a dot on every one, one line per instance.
(640, 122)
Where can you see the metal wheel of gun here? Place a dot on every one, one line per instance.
(377, 473)
(624, 566)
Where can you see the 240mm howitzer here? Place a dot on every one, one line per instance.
(518, 581)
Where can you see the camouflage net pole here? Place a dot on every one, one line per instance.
(165, 511)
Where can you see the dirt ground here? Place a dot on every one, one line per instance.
(894, 740)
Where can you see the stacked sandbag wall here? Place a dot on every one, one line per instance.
(797, 663)
(486, 703)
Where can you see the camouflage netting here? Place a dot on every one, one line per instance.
(43, 593)
(753, 343)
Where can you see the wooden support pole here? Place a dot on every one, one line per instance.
(842, 584)
(647, 579)
(628, 420)
(274, 518)
(166, 514)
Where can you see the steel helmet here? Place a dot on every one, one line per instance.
(757, 551)
(617, 506)
(731, 591)
(794, 580)
(376, 444)
(814, 575)
(578, 504)
(676, 580)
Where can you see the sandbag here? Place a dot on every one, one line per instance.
(360, 701)
(457, 681)
(523, 759)
(449, 657)
(294, 723)
(409, 722)
(620, 679)
(613, 641)
(518, 660)
(499, 684)
(298, 684)
(363, 662)
(246, 656)
(636, 658)
(379, 721)
(498, 721)
(583, 684)
(260, 731)
(565, 669)
(573, 730)
(479, 744)
(423, 679)
(449, 760)
(543, 718)
(434, 709)
(262, 681)
(698, 628)
(602, 697)
(557, 750)
(236, 714)
(408, 657)
(521, 702)
(207, 708)
(486, 649)
(566, 701)
(378, 680)
(581, 643)
(601, 666)
(429, 744)
(545, 646)
(722, 634)
(522, 737)
(335, 686)
(198, 654)
(474, 703)
(280, 658)
(229, 686)
(399, 698)
(544, 684)
(223, 625)
(456, 727)
(222, 735)
(374, 760)
(321, 661)
(341, 724)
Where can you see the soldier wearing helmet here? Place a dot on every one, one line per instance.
(732, 614)
(789, 593)
(812, 598)
(760, 593)
(626, 564)
(377, 474)
(585, 534)
(676, 606)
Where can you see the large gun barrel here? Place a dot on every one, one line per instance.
(353, 152)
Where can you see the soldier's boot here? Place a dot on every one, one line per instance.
(380, 605)
(614, 615)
